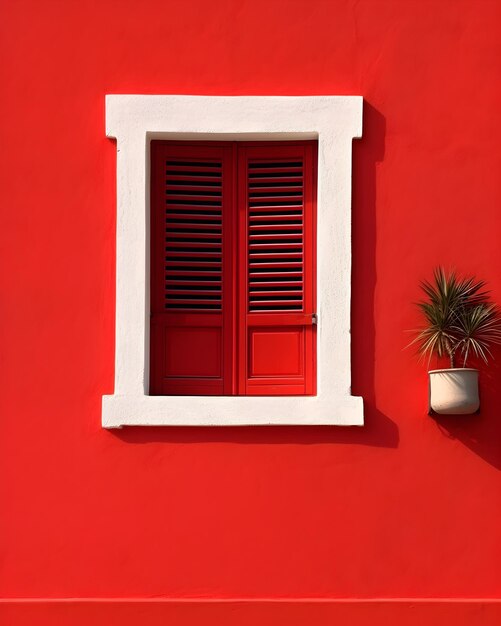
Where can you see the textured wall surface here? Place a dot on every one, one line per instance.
(405, 506)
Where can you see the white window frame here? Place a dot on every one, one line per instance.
(134, 120)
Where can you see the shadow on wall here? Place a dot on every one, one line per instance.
(367, 153)
(382, 432)
(378, 430)
(481, 432)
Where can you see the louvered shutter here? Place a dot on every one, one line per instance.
(276, 269)
(191, 273)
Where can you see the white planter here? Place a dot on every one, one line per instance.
(454, 391)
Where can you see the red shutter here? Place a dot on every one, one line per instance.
(232, 290)
(191, 273)
(276, 270)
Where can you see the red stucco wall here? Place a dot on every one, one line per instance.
(405, 506)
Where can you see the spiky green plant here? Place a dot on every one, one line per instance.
(459, 319)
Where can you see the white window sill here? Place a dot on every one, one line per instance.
(230, 411)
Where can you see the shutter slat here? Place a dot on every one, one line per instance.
(264, 219)
(185, 245)
(191, 169)
(291, 294)
(275, 209)
(195, 207)
(197, 234)
(176, 198)
(178, 220)
(273, 246)
(275, 272)
(257, 256)
(181, 224)
(182, 255)
(278, 199)
(277, 224)
(194, 283)
(294, 170)
(273, 190)
(260, 283)
(186, 265)
(181, 177)
(174, 184)
(190, 290)
(194, 271)
(272, 179)
(275, 237)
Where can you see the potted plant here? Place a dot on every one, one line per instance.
(460, 323)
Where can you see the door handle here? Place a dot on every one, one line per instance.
(314, 319)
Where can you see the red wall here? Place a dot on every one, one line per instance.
(405, 506)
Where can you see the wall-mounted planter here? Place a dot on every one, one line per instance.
(454, 391)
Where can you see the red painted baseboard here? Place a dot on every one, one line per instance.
(298, 612)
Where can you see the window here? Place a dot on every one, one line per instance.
(232, 268)
(135, 121)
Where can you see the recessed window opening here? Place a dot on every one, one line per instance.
(233, 248)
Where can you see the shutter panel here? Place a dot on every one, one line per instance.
(190, 347)
(276, 270)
